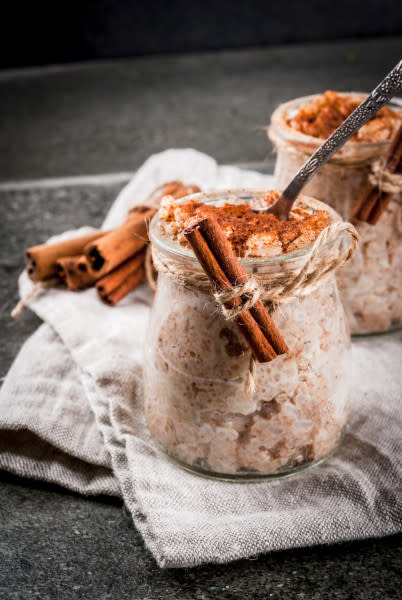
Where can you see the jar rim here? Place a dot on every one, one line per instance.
(166, 244)
(278, 122)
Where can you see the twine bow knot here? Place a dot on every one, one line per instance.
(250, 292)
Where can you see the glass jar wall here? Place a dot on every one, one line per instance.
(197, 404)
(370, 284)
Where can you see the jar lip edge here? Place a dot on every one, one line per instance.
(174, 247)
(285, 130)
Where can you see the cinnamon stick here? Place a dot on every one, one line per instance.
(41, 260)
(124, 279)
(115, 278)
(166, 189)
(383, 199)
(74, 272)
(128, 285)
(372, 202)
(223, 252)
(258, 343)
(120, 244)
(177, 189)
(185, 190)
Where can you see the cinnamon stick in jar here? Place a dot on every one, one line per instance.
(120, 244)
(74, 272)
(41, 260)
(121, 281)
(222, 249)
(205, 253)
(384, 199)
(373, 202)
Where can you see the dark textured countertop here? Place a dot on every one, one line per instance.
(108, 117)
(104, 118)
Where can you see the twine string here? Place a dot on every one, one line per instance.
(249, 290)
(148, 268)
(251, 375)
(266, 286)
(388, 183)
(37, 288)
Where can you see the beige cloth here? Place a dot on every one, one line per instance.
(71, 413)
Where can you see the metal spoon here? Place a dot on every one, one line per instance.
(389, 86)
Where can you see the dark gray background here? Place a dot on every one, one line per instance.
(54, 32)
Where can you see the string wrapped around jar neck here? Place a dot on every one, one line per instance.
(388, 183)
(279, 285)
(353, 155)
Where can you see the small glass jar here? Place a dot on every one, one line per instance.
(370, 284)
(197, 404)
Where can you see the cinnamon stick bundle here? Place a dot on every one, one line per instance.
(219, 262)
(124, 279)
(372, 202)
(74, 272)
(120, 244)
(127, 286)
(115, 259)
(41, 260)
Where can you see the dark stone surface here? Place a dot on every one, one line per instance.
(55, 544)
(110, 117)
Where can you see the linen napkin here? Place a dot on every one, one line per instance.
(71, 413)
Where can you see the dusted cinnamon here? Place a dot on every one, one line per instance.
(328, 111)
(74, 272)
(246, 230)
(41, 260)
(121, 243)
(259, 345)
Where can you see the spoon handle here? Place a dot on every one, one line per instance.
(390, 86)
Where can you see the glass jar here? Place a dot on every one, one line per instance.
(197, 404)
(370, 284)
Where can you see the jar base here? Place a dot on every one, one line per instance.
(249, 477)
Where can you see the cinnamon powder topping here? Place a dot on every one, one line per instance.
(321, 117)
(249, 233)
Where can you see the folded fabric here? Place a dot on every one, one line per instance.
(71, 413)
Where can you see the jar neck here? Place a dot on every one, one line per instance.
(277, 277)
(279, 280)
